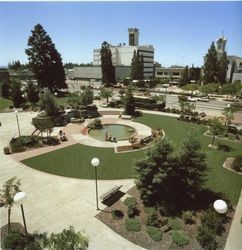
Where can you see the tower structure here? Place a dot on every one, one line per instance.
(221, 43)
(133, 36)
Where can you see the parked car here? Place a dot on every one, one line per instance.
(103, 105)
(232, 129)
(203, 99)
(191, 99)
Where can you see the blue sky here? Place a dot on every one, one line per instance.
(181, 32)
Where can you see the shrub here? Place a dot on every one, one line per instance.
(154, 233)
(16, 145)
(14, 240)
(117, 214)
(174, 224)
(179, 238)
(96, 124)
(149, 210)
(240, 132)
(237, 163)
(187, 217)
(132, 225)
(211, 224)
(131, 203)
(152, 219)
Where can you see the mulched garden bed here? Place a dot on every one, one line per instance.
(143, 239)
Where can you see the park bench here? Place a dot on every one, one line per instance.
(128, 117)
(110, 193)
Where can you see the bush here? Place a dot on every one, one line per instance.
(174, 224)
(15, 241)
(117, 214)
(132, 225)
(187, 217)
(96, 124)
(131, 203)
(152, 219)
(211, 224)
(154, 233)
(240, 132)
(179, 238)
(16, 145)
(237, 164)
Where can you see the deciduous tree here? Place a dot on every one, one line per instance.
(129, 102)
(137, 67)
(10, 188)
(216, 127)
(32, 92)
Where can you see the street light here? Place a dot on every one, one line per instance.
(16, 113)
(220, 207)
(95, 162)
(19, 199)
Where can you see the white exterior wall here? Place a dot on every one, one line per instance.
(122, 56)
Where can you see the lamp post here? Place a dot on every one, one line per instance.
(95, 162)
(16, 113)
(19, 199)
(220, 207)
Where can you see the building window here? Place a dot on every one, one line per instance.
(175, 73)
(159, 73)
(240, 64)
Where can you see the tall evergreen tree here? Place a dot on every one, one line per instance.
(45, 61)
(191, 168)
(16, 93)
(32, 93)
(129, 102)
(222, 68)
(211, 65)
(153, 173)
(108, 70)
(5, 87)
(137, 67)
(184, 77)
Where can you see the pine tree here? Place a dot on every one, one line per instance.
(32, 92)
(129, 102)
(137, 67)
(45, 61)
(5, 87)
(222, 68)
(108, 70)
(191, 168)
(153, 173)
(211, 65)
(16, 93)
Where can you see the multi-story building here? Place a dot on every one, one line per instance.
(122, 54)
(172, 74)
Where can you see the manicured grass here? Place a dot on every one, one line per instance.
(4, 103)
(74, 161)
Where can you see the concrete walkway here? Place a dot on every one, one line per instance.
(234, 241)
(55, 202)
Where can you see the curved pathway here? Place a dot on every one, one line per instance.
(55, 202)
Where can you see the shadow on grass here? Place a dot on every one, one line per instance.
(224, 147)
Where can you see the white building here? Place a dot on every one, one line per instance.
(122, 55)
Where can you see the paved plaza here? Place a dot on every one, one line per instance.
(55, 202)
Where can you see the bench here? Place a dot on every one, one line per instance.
(109, 193)
(128, 117)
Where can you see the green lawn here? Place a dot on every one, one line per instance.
(4, 103)
(74, 161)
